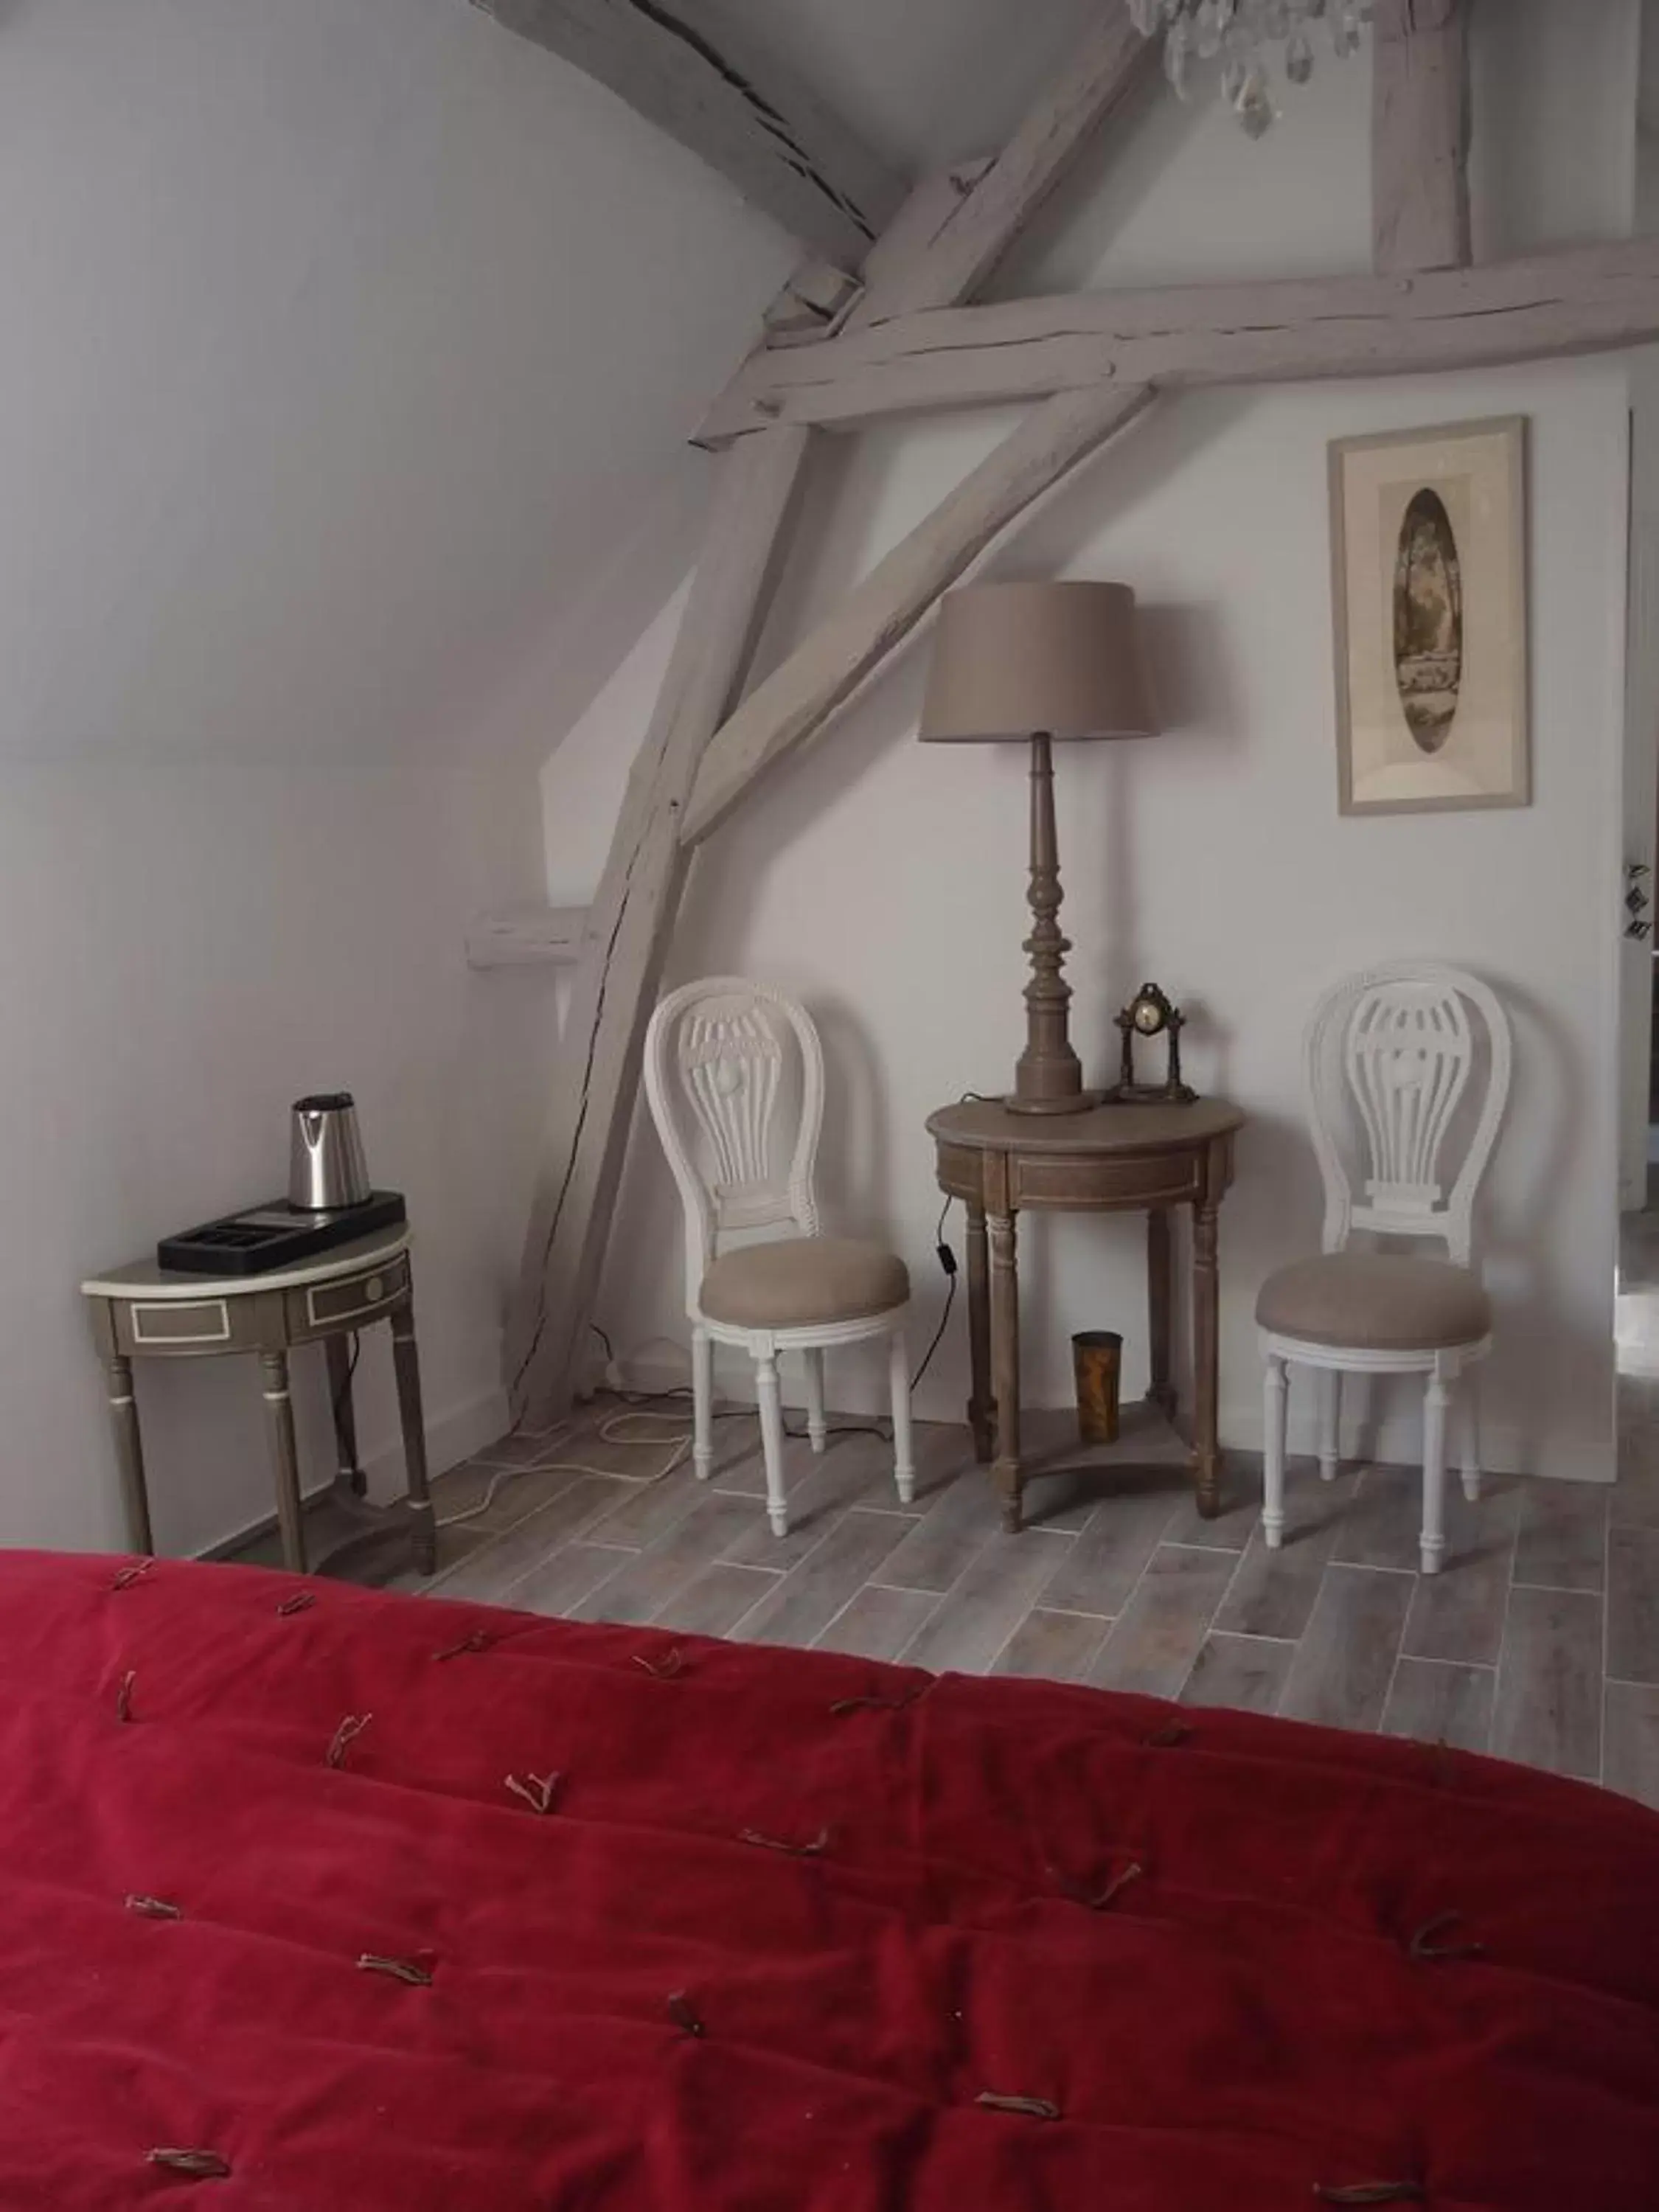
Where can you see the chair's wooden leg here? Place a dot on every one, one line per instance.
(1435, 1401)
(771, 1421)
(702, 1405)
(1274, 1391)
(816, 1430)
(1471, 1390)
(904, 1467)
(1330, 1421)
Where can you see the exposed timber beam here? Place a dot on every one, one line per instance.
(1586, 299)
(974, 226)
(1420, 135)
(794, 703)
(922, 255)
(707, 80)
(526, 937)
(630, 921)
(954, 227)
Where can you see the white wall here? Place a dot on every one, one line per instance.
(182, 952)
(346, 341)
(884, 880)
(1640, 805)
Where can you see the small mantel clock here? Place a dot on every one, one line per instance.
(1149, 1014)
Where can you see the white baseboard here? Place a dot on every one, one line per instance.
(1398, 1441)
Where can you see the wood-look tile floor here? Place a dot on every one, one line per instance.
(1539, 1640)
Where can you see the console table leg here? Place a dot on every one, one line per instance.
(130, 1454)
(1206, 1283)
(981, 1406)
(406, 1363)
(1159, 1291)
(284, 1458)
(1004, 1359)
(337, 1353)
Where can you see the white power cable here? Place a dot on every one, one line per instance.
(609, 1433)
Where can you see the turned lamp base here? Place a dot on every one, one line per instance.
(1048, 1076)
(1077, 1102)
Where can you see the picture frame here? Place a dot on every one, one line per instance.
(1429, 601)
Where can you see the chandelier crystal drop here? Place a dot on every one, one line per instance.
(1241, 34)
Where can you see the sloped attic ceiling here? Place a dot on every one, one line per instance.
(348, 340)
(926, 82)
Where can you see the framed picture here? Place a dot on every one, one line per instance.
(1429, 546)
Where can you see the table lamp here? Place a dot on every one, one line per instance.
(1040, 662)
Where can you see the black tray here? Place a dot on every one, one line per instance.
(275, 1235)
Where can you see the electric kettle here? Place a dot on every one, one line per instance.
(326, 1168)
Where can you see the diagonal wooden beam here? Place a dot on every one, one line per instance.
(629, 924)
(704, 77)
(977, 226)
(948, 237)
(922, 255)
(793, 704)
(1586, 300)
(1420, 135)
(528, 936)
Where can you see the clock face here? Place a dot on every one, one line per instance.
(1148, 1017)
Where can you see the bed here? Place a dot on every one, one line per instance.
(321, 1897)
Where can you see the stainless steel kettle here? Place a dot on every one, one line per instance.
(326, 1168)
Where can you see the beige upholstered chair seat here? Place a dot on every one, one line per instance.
(729, 1067)
(1376, 1302)
(802, 1281)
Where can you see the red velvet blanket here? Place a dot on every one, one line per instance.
(316, 1899)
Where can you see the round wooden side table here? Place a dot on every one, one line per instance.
(144, 1311)
(1108, 1159)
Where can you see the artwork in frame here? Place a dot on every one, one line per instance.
(1429, 544)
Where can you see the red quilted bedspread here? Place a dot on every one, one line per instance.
(313, 1898)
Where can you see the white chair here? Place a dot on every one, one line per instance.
(1392, 1054)
(719, 1048)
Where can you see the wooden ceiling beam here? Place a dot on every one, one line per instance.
(619, 968)
(704, 78)
(793, 704)
(979, 221)
(1420, 135)
(950, 234)
(941, 245)
(533, 935)
(1584, 299)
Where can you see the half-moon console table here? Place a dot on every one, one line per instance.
(144, 1311)
(1108, 1159)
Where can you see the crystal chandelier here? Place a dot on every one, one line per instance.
(1239, 32)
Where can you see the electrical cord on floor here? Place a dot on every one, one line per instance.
(679, 1437)
(613, 1431)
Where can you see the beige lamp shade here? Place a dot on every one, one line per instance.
(1012, 660)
